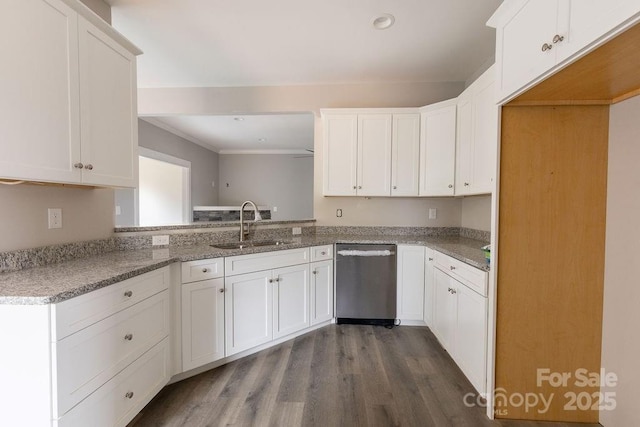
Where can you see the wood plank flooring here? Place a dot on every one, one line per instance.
(340, 375)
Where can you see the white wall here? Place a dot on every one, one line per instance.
(87, 214)
(620, 339)
(160, 191)
(476, 212)
(281, 180)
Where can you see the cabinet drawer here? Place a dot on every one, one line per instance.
(265, 261)
(89, 358)
(77, 313)
(205, 269)
(472, 277)
(119, 400)
(321, 253)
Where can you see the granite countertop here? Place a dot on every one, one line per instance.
(58, 282)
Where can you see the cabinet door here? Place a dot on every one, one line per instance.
(410, 275)
(591, 19)
(290, 300)
(340, 155)
(405, 155)
(39, 105)
(464, 144)
(520, 40)
(471, 336)
(438, 151)
(444, 313)
(202, 323)
(429, 286)
(485, 135)
(248, 311)
(374, 154)
(321, 292)
(108, 109)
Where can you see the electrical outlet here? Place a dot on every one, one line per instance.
(55, 218)
(339, 213)
(433, 213)
(160, 240)
(118, 210)
(296, 230)
(275, 209)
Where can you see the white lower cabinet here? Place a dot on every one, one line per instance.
(460, 324)
(202, 322)
(410, 282)
(248, 311)
(429, 286)
(264, 305)
(321, 291)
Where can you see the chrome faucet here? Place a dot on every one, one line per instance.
(244, 233)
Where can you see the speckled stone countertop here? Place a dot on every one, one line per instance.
(58, 282)
(209, 224)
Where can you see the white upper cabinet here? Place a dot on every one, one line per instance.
(374, 154)
(536, 37)
(340, 154)
(405, 155)
(438, 149)
(477, 137)
(39, 105)
(68, 96)
(366, 152)
(108, 109)
(591, 19)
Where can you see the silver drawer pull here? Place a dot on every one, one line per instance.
(128, 337)
(452, 267)
(323, 253)
(128, 294)
(315, 272)
(453, 291)
(88, 167)
(270, 280)
(558, 38)
(78, 165)
(546, 47)
(129, 395)
(205, 270)
(430, 259)
(221, 290)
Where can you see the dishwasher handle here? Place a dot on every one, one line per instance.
(353, 252)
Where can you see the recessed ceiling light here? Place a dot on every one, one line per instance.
(383, 21)
(238, 119)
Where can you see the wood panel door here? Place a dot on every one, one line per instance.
(551, 262)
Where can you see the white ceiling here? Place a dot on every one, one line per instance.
(224, 43)
(286, 133)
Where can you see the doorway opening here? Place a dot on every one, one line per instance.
(164, 189)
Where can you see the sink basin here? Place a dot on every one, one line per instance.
(250, 244)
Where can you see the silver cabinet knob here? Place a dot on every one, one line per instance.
(453, 292)
(270, 280)
(221, 290)
(449, 290)
(323, 253)
(354, 187)
(128, 294)
(466, 184)
(128, 337)
(129, 395)
(205, 270)
(546, 47)
(452, 267)
(430, 259)
(78, 165)
(395, 188)
(450, 185)
(359, 187)
(88, 167)
(314, 272)
(558, 38)
(278, 279)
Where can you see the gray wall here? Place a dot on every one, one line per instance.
(204, 169)
(476, 212)
(282, 180)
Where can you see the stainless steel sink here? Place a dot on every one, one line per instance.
(250, 244)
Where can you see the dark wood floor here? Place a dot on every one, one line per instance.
(344, 375)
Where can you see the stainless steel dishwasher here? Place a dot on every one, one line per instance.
(366, 284)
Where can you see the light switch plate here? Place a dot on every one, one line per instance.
(296, 231)
(160, 240)
(55, 218)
